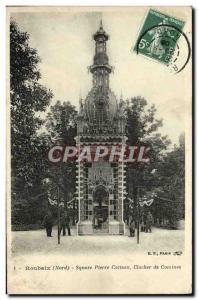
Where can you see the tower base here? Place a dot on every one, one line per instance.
(114, 228)
(85, 228)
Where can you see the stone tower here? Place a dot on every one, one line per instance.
(100, 186)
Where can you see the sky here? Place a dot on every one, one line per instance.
(63, 38)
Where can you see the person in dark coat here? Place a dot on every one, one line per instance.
(48, 223)
(143, 223)
(132, 227)
(149, 222)
(65, 223)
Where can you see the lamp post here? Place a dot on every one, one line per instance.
(138, 216)
(58, 140)
(58, 212)
(138, 206)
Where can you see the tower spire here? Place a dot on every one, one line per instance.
(101, 25)
(80, 95)
(121, 95)
(80, 103)
(100, 68)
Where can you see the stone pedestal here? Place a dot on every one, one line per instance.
(116, 227)
(85, 228)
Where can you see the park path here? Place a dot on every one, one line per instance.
(29, 242)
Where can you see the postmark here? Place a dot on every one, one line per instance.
(162, 39)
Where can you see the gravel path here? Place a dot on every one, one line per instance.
(30, 242)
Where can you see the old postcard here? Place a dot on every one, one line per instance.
(99, 148)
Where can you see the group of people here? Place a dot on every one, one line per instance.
(64, 223)
(146, 222)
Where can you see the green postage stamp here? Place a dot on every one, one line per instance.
(158, 37)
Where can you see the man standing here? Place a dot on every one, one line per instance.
(149, 222)
(48, 223)
(143, 223)
(65, 223)
(132, 226)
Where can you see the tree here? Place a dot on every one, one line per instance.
(61, 122)
(61, 126)
(142, 129)
(168, 179)
(171, 197)
(28, 97)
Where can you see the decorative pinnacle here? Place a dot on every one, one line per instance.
(80, 95)
(121, 95)
(101, 26)
(80, 101)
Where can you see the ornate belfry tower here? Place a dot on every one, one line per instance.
(100, 188)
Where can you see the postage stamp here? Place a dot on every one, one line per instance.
(158, 39)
